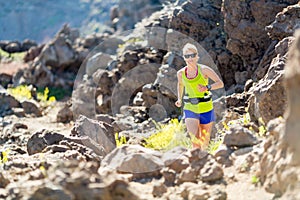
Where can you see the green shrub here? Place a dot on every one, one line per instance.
(168, 136)
(214, 144)
(120, 140)
(4, 156)
(58, 93)
(174, 134)
(23, 92)
(44, 97)
(254, 180)
(14, 56)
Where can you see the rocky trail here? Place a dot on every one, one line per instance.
(237, 183)
(39, 170)
(242, 186)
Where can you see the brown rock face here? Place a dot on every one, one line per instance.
(293, 84)
(245, 22)
(280, 164)
(286, 22)
(261, 102)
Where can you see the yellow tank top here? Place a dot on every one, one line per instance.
(191, 91)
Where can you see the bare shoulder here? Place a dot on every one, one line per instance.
(206, 70)
(205, 67)
(179, 72)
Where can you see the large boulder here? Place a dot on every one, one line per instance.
(83, 100)
(65, 113)
(245, 24)
(31, 107)
(41, 139)
(60, 53)
(100, 132)
(7, 102)
(98, 61)
(64, 147)
(292, 77)
(37, 74)
(280, 162)
(261, 103)
(133, 159)
(285, 23)
(239, 136)
(132, 81)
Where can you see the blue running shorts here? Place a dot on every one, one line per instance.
(204, 118)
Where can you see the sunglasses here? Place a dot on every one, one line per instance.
(190, 55)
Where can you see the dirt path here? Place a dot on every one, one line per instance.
(243, 189)
(238, 188)
(47, 121)
(11, 68)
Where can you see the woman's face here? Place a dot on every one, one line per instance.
(190, 57)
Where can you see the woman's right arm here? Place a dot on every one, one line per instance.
(180, 88)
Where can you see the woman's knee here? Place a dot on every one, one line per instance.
(192, 126)
(206, 127)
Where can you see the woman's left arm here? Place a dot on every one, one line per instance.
(211, 74)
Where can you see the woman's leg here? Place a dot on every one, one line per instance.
(192, 126)
(205, 127)
(204, 132)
